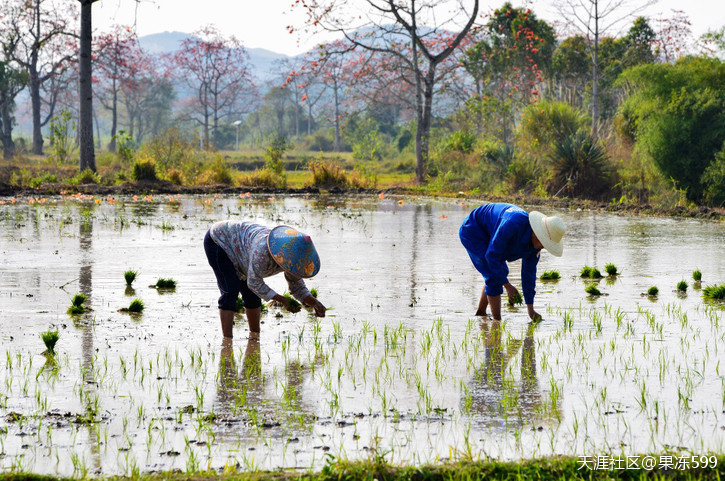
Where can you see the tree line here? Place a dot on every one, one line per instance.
(472, 96)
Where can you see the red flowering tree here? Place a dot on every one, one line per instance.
(216, 68)
(406, 31)
(117, 58)
(673, 36)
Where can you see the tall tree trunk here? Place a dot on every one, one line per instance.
(85, 127)
(595, 74)
(114, 118)
(35, 102)
(6, 129)
(422, 134)
(337, 118)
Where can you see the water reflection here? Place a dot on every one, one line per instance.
(496, 398)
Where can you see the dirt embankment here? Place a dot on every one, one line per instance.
(164, 187)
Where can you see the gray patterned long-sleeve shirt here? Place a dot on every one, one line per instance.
(245, 244)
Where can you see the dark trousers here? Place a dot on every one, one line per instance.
(227, 279)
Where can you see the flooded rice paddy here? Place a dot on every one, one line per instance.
(400, 368)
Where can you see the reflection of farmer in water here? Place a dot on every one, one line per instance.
(242, 254)
(496, 233)
(491, 395)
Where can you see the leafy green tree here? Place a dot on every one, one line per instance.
(677, 116)
(571, 67)
(713, 180)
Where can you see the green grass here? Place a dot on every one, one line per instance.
(592, 290)
(517, 300)
(130, 276)
(697, 275)
(653, 291)
(50, 338)
(682, 286)
(550, 276)
(714, 292)
(164, 283)
(611, 269)
(591, 272)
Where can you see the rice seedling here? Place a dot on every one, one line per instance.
(611, 269)
(697, 275)
(50, 338)
(240, 305)
(714, 292)
(682, 286)
(313, 292)
(592, 290)
(515, 300)
(653, 291)
(165, 283)
(130, 276)
(550, 276)
(292, 303)
(590, 273)
(77, 302)
(136, 306)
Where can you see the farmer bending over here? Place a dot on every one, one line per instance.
(496, 233)
(242, 254)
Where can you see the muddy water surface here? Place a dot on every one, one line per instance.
(399, 368)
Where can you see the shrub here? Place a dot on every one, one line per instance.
(579, 167)
(653, 291)
(176, 176)
(547, 124)
(170, 149)
(274, 153)
(265, 177)
(86, 176)
(319, 142)
(460, 140)
(218, 172)
(61, 137)
(144, 169)
(713, 180)
(124, 146)
(327, 174)
(43, 179)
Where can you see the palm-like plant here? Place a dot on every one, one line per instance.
(579, 166)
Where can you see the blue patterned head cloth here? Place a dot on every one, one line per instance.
(293, 251)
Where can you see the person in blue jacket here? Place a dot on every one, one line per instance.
(496, 233)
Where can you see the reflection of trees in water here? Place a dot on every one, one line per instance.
(498, 399)
(243, 395)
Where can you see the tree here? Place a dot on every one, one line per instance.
(85, 88)
(42, 31)
(118, 54)
(410, 32)
(595, 19)
(673, 36)
(12, 82)
(217, 69)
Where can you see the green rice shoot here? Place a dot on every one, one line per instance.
(292, 302)
(550, 276)
(516, 300)
(653, 291)
(164, 283)
(136, 306)
(591, 272)
(682, 286)
(50, 338)
(130, 276)
(697, 275)
(313, 292)
(77, 302)
(592, 290)
(611, 269)
(714, 292)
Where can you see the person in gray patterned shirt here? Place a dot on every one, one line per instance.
(242, 254)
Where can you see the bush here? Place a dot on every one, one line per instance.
(459, 141)
(319, 142)
(176, 176)
(713, 180)
(265, 177)
(87, 176)
(43, 179)
(144, 169)
(274, 153)
(327, 174)
(579, 167)
(170, 149)
(544, 125)
(218, 172)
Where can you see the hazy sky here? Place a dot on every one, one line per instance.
(262, 23)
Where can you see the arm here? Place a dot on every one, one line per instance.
(528, 283)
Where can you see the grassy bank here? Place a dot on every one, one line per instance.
(544, 469)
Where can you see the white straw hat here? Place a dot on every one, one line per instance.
(549, 231)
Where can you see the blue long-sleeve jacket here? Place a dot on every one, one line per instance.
(498, 233)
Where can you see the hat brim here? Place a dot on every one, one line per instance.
(536, 220)
(303, 263)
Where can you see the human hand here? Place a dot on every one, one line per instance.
(513, 294)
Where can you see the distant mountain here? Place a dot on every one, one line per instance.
(262, 60)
